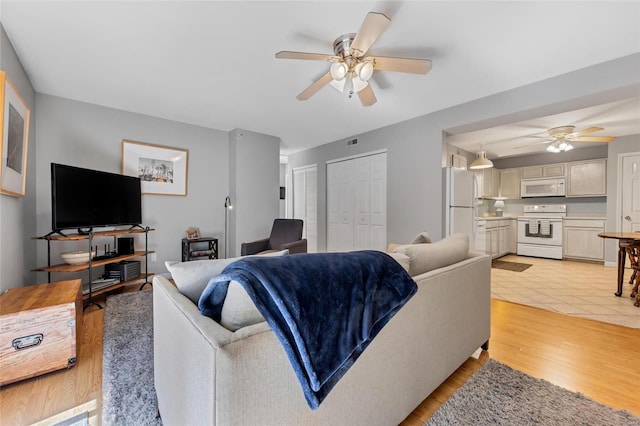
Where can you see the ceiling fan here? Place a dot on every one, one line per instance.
(561, 137)
(350, 68)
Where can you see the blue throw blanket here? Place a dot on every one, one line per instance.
(325, 308)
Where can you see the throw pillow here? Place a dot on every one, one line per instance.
(238, 309)
(191, 278)
(427, 257)
(421, 238)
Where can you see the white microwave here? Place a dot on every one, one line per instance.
(542, 187)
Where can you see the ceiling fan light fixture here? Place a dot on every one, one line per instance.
(482, 162)
(364, 71)
(565, 146)
(338, 71)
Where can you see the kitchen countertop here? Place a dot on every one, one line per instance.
(496, 217)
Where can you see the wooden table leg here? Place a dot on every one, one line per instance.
(622, 255)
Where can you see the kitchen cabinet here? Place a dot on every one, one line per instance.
(587, 178)
(499, 237)
(581, 241)
(458, 161)
(544, 171)
(510, 183)
(488, 182)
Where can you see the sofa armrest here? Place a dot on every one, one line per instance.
(254, 247)
(295, 246)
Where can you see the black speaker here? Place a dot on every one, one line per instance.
(125, 246)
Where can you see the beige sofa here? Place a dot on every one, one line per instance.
(206, 374)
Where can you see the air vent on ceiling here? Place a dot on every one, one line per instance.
(352, 142)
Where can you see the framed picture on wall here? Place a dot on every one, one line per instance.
(14, 122)
(162, 170)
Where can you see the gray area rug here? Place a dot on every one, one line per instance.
(128, 393)
(500, 395)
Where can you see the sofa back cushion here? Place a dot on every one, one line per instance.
(427, 257)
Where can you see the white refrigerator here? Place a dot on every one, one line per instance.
(460, 202)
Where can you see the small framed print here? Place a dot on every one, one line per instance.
(193, 234)
(162, 170)
(14, 124)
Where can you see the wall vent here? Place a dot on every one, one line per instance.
(352, 142)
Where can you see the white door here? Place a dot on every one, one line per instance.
(305, 196)
(357, 203)
(630, 193)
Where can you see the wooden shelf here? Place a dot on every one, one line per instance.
(112, 233)
(141, 277)
(65, 267)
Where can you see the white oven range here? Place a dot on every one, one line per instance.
(540, 230)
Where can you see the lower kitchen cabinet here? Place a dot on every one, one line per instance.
(581, 241)
(500, 237)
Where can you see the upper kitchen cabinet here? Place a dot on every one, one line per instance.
(543, 171)
(510, 183)
(587, 178)
(488, 182)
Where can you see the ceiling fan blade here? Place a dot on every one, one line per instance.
(415, 66)
(585, 131)
(285, 54)
(366, 96)
(594, 139)
(315, 86)
(374, 24)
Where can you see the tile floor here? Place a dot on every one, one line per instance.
(574, 288)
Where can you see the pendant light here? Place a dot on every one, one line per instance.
(482, 162)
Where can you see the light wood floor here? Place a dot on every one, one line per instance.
(598, 359)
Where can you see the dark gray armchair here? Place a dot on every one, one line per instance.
(285, 234)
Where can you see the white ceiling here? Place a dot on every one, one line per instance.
(212, 63)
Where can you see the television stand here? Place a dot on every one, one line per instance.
(100, 261)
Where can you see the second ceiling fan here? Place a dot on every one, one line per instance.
(350, 68)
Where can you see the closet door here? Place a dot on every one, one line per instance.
(357, 203)
(305, 202)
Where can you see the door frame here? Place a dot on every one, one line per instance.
(621, 156)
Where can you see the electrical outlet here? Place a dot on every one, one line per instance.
(153, 257)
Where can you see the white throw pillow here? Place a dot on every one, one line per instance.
(238, 309)
(427, 257)
(421, 238)
(402, 259)
(191, 278)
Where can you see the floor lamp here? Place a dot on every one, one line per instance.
(227, 206)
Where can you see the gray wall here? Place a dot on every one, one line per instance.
(619, 146)
(254, 169)
(18, 215)
(90, 136)
(415, 147)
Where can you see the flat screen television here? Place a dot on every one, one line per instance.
(85, 199)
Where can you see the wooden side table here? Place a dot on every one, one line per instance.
(199, 248)
(38, 329)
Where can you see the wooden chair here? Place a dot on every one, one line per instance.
(632, 249)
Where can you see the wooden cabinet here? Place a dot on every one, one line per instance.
(93, 288)
(457, 161)
(510, 183)
(543, 171)
(587, 178)
(38, 329)
(488, 182)
(500, 238)
(581, 241)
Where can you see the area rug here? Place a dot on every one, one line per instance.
(510, 266)
(128, 394)
(500, 395)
